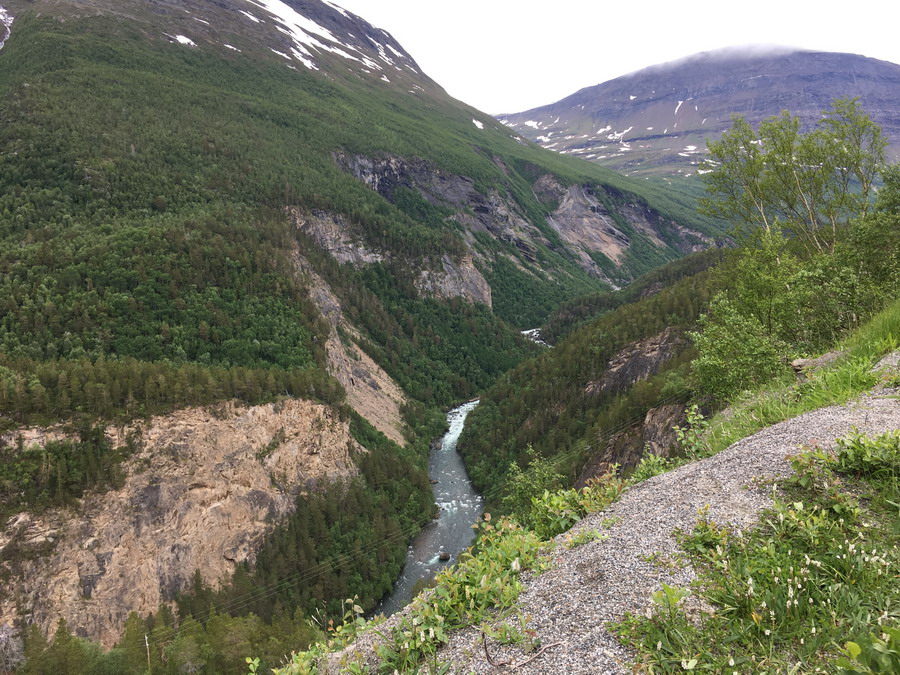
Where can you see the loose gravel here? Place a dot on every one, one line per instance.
(569, 605)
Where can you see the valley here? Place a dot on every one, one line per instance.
(288, 334)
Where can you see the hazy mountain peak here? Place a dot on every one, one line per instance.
(659, 119)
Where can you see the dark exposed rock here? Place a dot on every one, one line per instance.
(803, 366)
(637, 361)
(581, 217)
(654, 435)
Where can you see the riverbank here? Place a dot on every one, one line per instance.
(568, 608)
(442, 540)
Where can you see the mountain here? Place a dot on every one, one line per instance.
(213, 212)
(658, 121)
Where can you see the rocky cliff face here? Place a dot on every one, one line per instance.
(202, 490)
(370, 390)
(658, 120)
(654, 435)
(637, 361)
(581, 216)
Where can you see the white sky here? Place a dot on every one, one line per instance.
(505, 56)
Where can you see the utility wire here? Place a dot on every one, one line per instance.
(247, 600)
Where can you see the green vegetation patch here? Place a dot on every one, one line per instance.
(812, 586)
(58, 473)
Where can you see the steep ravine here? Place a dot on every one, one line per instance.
(569, 605)
(370, 390)
(201, 492)
(442, 540)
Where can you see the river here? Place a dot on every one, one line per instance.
(451, 532)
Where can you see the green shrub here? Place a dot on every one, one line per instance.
(736, 354)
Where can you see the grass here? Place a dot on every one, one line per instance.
(813, 588)
(820, 568)
(832, 385)
(481, 590)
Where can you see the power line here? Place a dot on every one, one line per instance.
(243, 602)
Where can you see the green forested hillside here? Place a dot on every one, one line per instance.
(148, 262)
(818, 255)
(143, 188)
(545, 403)
(573, 313)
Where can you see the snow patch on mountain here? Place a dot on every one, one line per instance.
(340, 10)
(305, 59)
(7, 21)
(382, 52)
(181, 39)
(478, 124)
(307, 33)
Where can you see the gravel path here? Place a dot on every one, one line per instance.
(602, 580)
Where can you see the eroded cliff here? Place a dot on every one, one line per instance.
(202, 489)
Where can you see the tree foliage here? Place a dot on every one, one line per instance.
(808, 184)
(548, 402)
(824, 258)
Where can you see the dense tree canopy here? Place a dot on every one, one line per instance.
(823, 257)
(809, 184)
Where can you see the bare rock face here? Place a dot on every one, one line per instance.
(477, 212)
(460, 279)
(203, 489)
(332, 233)
(655, 435)
(638, 361)
(584, 223)
(370, 390)
(452, 279)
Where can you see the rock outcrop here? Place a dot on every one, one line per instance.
(638, 361)
(451, 279)
(202, 490)
(475, 211)
(370, 390)
(580, 216)
(333, 233)
(455, 279)
(655, 435)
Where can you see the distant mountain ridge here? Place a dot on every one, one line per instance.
(658, 120)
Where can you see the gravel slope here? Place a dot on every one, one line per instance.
(600, 581)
